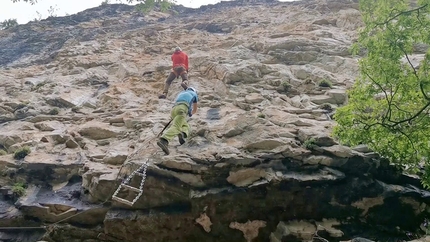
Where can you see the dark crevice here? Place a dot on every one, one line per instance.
(163, 167)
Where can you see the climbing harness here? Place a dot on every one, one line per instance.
(126, 184)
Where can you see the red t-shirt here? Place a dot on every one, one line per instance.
(180, 59)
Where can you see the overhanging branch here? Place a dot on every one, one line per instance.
(401, 13)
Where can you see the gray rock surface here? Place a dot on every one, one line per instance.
(260, 163)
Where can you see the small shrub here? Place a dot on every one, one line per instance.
(39, 17)
(9, 23)
(54, 111)
(52, 11)
(286, 86)
(19, 189)
(261, 115)
(3, 152)
(149, 5)
(325, 83)
(310, 144)
(75, 109)
(105, 2)
(38, 86)
(22, 152)
(326, 106)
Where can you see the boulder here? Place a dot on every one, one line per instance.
(51, 168)
(97, 131)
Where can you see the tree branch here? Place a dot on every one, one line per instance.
(388, 113)
(411, 118)
(423, 92)
(401, 13)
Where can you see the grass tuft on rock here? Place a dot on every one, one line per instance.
(19, 189)
(325, 83)
(54, 111)
(21, 152)
(310, 144)
(286, 86)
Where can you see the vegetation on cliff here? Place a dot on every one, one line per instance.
(388, 107)
(8, 23)
(144, 5)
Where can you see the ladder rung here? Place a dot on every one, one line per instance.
(115, 198)
(140, 174)
(135, 189)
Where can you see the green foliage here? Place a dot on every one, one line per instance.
(165, 5)
(8, 23)
(75, 109)
(326, 106)
(32, 2)
(310, 144)
(3, 152)
(40, 84)
(286, 86)
(105, 2)
(39, 16)
(261, 115)
(19, 189)
(54, 111)
(52, 11)
(325, 83)
(147, 5)
(388, 106)
(22, 152)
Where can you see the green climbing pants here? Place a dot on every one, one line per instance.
(179, 122)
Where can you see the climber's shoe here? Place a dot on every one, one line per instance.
(163, 143)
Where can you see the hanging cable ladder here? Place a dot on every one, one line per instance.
(141, 172)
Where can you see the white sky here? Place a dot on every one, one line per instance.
(25, 12)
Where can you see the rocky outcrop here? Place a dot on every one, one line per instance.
(260, 163)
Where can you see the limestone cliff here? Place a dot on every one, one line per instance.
(260, 164)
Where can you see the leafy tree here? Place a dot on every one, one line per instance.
(105, 2)
(32, 2)
(8, 23)
(52, 11)
(39, 16)
(148, 5)
(144, 5)
(389, 105)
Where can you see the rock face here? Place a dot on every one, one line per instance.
(260, 163)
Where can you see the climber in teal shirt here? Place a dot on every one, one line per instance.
(185, 104)
(189, 96)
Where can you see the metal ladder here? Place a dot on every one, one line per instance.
(126, 184)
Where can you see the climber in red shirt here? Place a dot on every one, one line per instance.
(179, 68)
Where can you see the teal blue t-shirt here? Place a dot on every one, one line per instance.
(189, 97)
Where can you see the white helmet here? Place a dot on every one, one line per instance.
(192, 89)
